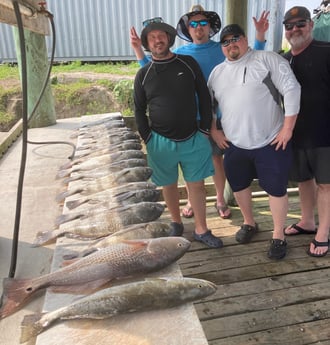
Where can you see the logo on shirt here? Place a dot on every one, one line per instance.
(180, 73)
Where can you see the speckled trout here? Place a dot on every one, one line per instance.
(150, 294)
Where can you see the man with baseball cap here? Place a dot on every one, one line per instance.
(256, 131)
(167, 88)
(310, 62)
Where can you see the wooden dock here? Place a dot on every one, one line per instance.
(260, 301)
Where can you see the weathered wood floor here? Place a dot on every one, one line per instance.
(260, 301)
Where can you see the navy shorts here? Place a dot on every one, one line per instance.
(311, 163)
(270, 167)
(193, 156)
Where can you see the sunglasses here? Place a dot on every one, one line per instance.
(152, 20)
(299, 24)
(194, 23)
(226, 43)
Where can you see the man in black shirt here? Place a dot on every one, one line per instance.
(310, 62)
(171, 88)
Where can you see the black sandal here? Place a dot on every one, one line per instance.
(319, 244)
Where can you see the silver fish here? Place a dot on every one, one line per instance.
(131, 232)
(121, 260)
(93, 208)
(102, 183)
(96, 162)
(109, 194)
(86, 175)
(146, 295)
(104, 224)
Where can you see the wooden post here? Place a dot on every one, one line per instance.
(37, 67)
(236, 12)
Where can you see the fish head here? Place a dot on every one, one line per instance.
(167, 249)
(148, 211)
(158, 229)
(194, 288)
(148, 195)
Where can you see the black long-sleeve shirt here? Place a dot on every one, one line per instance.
(168, 90)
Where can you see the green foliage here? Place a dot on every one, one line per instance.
(123, 93)
(70, 93)
(8, 71)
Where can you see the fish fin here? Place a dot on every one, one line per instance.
(84, 288)
(75, 203)
(44, 237)
(15, 293)
(71, 255)
(30, 327)
(68, 262)
(137, 244)
(67, 217)
(61, 197)
(63, 173)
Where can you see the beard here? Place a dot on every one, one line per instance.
(298, 41)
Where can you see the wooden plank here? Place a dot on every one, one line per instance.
(38, 23)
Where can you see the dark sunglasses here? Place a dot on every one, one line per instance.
(152, 20)
(226, 43)
(299, 24)
(194, 23)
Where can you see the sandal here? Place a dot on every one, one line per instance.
(246, 232)
(319, 244)
(299, 231)
(176, 229)
(187, 212)
(209, 239)
(224, 211)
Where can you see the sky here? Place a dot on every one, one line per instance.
(310, 4)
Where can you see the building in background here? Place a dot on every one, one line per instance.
(98, 30)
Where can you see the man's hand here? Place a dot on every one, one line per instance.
(261, 25)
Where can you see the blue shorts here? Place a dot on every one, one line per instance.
(193, 156)
(311, 163)
(270, 167)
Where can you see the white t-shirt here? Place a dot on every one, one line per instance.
(252, 114)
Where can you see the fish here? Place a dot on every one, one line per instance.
(121, 260)
(103, 224)
(131, 232)
(86, 175)
(128, 145)
(126, 198)
(144, 295)
(96, 162)
(109, 194)
(102, 183)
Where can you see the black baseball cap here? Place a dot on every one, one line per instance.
(231, 29)
(297, 12)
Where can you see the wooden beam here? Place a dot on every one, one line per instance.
(37, 22)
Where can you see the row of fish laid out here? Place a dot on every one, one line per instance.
(110, 203)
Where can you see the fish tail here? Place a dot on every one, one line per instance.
(30, 327)
(15, 293)
(63, 173)
(75, 203)
(67, 180)
(45, 237)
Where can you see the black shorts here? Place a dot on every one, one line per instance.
(269, 166)
(311, 163)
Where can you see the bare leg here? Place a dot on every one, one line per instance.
(171, 197)
(244, 201)
(279, 209)
(197, 196)
(323, 206)
(219, 179)
(307, 196)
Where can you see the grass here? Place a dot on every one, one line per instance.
(9, 71)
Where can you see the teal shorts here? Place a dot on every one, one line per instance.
(193, 156)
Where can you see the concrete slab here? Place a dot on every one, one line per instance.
(177, 326)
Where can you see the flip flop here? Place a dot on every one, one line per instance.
(187, 212)
(222, 210)
(300, 231)
(319, 244)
